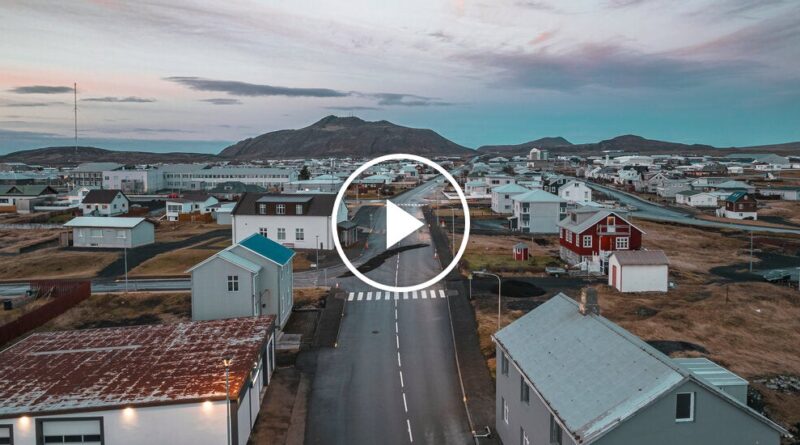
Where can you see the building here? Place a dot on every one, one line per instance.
(575, 192)
(497, 179)
(734, 186)
(319, 184)
(476, 188)
(105, 203)
(537, 211)
(348, 233)
(696, 198)
(299, 221)
(588, 236)
(520, 252)
(12, 195)
(134, 181)
(202, 177)
(739, 205)
(248, 279)
(76, 195)
(190, 202)
(90, 174)
(157, 384)
(638, 271)
(593, 382)
(222, 212)
(501, 197)
(787, 193)
(111, 232)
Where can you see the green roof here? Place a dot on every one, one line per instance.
(268, 249)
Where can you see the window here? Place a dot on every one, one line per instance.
(280, 209)
(6, 435)
(262, 209)
(298, 234)
(569, 237)
(505, 411)
(524, 391)
(622, 243)
(121, 234)
(298, 209)
(587, 240)
(263, 231)
(97, 233)
(684, 407)
(233, 283)
(555, 431)
(503, 364)
(281, 233)
(523, 437)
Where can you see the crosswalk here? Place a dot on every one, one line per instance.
(412, 204)
(426, 294)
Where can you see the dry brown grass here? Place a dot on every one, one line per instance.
(788, 210)
(493, 253)
(172, 263)
(486, 316)
(13, 314)
(54, 263)
(309, 295)
(12, 240)
(757, 223)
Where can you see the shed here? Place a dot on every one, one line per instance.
(111, 232)
(638, 271)
(520, 252)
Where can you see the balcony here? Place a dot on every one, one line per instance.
(615, 229)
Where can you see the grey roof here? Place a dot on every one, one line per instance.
(115, 222)
(97, 166)
(591, 220)
(537, 195)
(591, 373)
(709, 371)
(510, 188)
(284, 198)
(733, 185)
(234, 259)
(641, 257)
(105, 196)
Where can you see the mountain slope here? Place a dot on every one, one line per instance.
(344, 136)
(548, 142)
(68, 155)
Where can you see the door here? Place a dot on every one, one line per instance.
(614, 276)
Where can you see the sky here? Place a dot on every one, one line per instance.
(184, 75)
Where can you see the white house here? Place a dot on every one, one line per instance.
(189, 202)
(151, 384)
(76, 195)
(105, 203)
(300, 221)
(638, 271)
(111, 232)
(696, 198)
(576, 192)
(134, 181)
(498, 179)
(248, 279)
(537, 211)
(501, 197)
(476, 189)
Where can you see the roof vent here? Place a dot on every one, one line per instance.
(589, 304)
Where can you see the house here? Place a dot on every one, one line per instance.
(498, 179)
(301, 221)
(668, 189)
(233, 190)
(189, 202)
(12, 195)
(76, 195)
(739, 205)
(248, 279)
(707, 170)
(348, 233)
(628, 176)
(105, 203)
(222, 212)
(476, 188)
(156, 384)
(134, 181)
(575, 192)
(696, 198)
(589, 235)
(638, 271)
(501, 197)
(568, 376)
(787, 193)
(734, 186)
(375, 180)
(91, 173)
(537, 211)
(320, 184)
(111, 232)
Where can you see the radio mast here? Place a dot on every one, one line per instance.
(75, 91)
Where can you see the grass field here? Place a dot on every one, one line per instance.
(54, 263)
(494, 253)
(135, 308)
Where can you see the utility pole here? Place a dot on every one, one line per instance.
(751, 251)
(75, 109)
(125, 250)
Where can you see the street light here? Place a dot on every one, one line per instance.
(227, 362)
(499, 290)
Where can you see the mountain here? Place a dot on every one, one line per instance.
(633, 143)
(68, 155)
(525, 147)
(344, 136)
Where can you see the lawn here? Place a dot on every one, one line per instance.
(54, 263)
(113, 310)
(494, 253)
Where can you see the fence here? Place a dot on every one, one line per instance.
(64, 294)
(196, 217)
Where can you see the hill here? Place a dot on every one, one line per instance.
(67, 156)
(344, 136)
(525, 147)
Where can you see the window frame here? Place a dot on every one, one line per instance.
(584, 243)
(524, 391)
(618, 246)
(298, 209)
(10, 428)
(299, 234)
(691, 417)
(504, 364)
(263, 231)
(505, 410)
(556, 434)
(233, 283)
(280, 209)
(281, 234)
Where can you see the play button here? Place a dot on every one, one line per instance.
(399, 224)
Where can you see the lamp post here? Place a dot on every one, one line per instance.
(469, 277)
(125, 253)
(227, 363)
(499, 292)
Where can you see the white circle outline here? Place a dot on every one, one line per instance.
(338, 202)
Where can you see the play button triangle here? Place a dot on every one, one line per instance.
(399, 224)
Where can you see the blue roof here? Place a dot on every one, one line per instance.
(267, 248)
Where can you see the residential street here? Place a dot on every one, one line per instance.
(393, 378)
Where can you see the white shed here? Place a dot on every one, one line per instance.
(111, 232)
(639, 271)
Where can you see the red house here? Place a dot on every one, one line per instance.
(590, 235)
(520, 252)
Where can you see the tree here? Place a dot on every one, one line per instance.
(304, 174)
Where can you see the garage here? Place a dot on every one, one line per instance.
(70, 430)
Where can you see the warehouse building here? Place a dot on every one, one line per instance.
(111, 232)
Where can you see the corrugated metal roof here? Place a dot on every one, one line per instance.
(114, 222)
(641, 257)
(709, 371)
(245, 264)
(537, 195)
(267, 248)
(510, 188)
(592, 373)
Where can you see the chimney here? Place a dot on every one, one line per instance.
(589, 304)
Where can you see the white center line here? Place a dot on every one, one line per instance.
(410, 437)
(399, 365)
(401, 380)
(397, 337)
(405, 404)
(396, 328)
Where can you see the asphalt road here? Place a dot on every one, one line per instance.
(392, 378)
(648, 210)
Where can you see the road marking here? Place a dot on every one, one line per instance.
(442, 294)
(396, 329)
(424, 294)
(399, 364)
(414, 294)
(401, 379)
(405, 404)
(351, 296)
(360, 296)
(377, 296)
(405, 295)
(395, 312)
(410, 437)
(397, 338)
(369, 296)
(396, 296)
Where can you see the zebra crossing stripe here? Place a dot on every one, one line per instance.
(442, 294)
(405, 295)
(351, 296)
(424, 294)
(396, 295)
(369, 296)
(386, 296)
(414, 295)
(377, 296)
(360, 296)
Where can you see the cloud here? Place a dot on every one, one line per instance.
(160, 130)
(353, 108)
(41, 89)
(536, 5)
(606, 66)
(407, 100)
(222, 101)
(109, 99)
(33, 104)
(236, 88)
